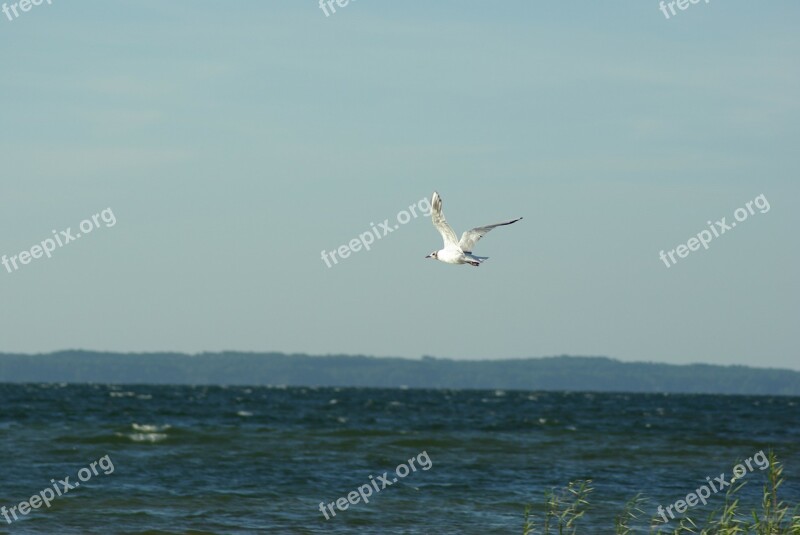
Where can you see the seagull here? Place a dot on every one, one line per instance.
(455, 251)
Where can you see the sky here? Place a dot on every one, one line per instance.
(231, 144)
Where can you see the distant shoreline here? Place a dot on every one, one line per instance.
(562, 373)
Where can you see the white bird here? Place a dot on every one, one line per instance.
(458, 251)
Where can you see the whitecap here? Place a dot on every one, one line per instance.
(149, 428)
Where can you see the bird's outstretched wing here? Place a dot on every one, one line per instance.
(447, 232)
(471, 237)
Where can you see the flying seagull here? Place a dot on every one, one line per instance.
(458, 251)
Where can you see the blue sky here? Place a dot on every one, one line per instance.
(235, 142)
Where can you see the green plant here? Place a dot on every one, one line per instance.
(631, 511)
(564, 508)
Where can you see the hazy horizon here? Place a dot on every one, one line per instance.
(387, 357)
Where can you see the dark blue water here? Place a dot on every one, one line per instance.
(260, 460)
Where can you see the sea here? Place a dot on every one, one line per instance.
(143, 459)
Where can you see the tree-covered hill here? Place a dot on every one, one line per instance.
(550, 373)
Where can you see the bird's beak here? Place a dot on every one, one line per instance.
(428, 256)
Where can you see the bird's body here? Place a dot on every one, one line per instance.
(454, 255)
(457, 251)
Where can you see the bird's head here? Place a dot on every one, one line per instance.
(432, 255)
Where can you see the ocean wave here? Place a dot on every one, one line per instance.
(149, 428)
(147, 437)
